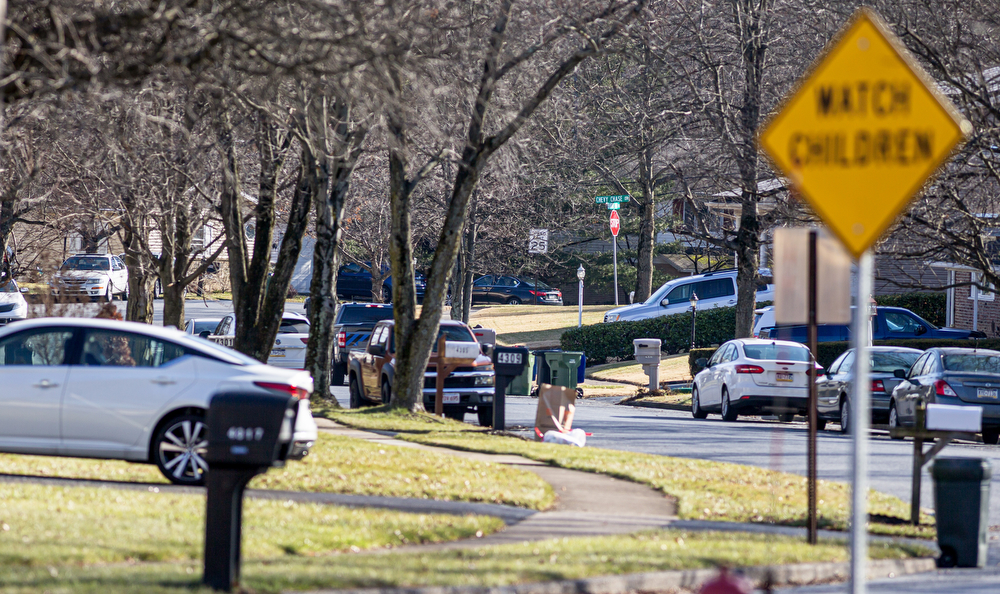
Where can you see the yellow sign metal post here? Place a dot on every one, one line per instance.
(863, 132)
(858, 139)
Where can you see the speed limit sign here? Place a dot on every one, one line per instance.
(538, 241)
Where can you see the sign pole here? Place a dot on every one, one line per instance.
(860, 405)
(812, 332)
(614, 251)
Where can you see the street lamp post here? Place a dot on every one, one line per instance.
(580, 273)
(694, 310)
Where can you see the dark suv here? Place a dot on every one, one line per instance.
(355, 282)
(514, 290)
(351, 329)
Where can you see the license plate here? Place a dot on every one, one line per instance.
(990, 393)
(783, 377)
(451, 399)
(277, 352)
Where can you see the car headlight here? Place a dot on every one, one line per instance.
(611, 317)
(484, 380)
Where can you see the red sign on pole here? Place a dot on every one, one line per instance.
(615, 223)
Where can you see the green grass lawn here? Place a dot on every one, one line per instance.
(556, 559)
(705, 490)
(339, 465)
(534, 325)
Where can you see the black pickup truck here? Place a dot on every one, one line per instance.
(351, 329)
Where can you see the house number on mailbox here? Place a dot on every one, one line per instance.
(245, 434)
(509, 358)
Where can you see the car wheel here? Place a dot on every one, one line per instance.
(820, 424)
(893, 420)
(337, 372)
(485, 414)
(696, 410)
(845, 416)
(108, 295)
(124, 294)
(179, 449)
(514, 301)
(386, 392)
(729, 414)
(455, 414)
(786, 418)
(355, 392)
(991, 436)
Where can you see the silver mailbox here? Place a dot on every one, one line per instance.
(647, 350)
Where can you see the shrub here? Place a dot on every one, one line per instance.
(929, 306)
(613, 341)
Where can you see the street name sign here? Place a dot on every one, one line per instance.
(614, 205)
(611, 199)
(538, 241)
(615, 223)
(862, 133)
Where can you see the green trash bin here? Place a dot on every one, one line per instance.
(563, 367)
(962, 509)
(521, 385)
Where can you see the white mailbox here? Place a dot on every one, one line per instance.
(461, 351)
(947, 417)
(647, 350)
(485, 335)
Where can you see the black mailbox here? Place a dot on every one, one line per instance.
(508, 363)
(248, 432)
(250, 429)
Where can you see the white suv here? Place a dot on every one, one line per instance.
(714, 289)
(99, 276)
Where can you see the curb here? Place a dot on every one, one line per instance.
(660, 581)
(663, 405)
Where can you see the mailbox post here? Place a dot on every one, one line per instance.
(508, 363)
(247, 434)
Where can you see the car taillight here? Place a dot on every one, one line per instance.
(304, 340)
(295, 391)
(536, 293)
(749, 369)
(342, 340)
(877, 386)
(941, 388)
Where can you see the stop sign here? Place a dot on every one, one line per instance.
(615, 223)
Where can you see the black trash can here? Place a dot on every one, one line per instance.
(962, 509)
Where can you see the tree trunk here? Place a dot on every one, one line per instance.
(458, 288)
(647, 230)
(471, 235)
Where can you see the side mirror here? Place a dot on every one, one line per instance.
(664, 303)
(378, 351)
(921, 330)
(205, 333)
(701, 362)
(900, 373)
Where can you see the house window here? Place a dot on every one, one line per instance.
(980, 293)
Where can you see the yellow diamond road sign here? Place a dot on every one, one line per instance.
(863, 132)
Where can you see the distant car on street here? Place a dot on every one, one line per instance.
(835, 386)
(196, 326)
(752, 376)
(957, 376)
(888, 323)
(514, 290)
(13, 307)
(714, 289)
(98, 388)
(97, 276)
(355, 283)
(289, 349)
(352, 327)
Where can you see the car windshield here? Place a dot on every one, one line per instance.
(455, 333)
(889, 362)
(976, 363)
(776, 352)
(9, 287)
(84, 263)
(203, 325)
(657, 295)
(361, 315)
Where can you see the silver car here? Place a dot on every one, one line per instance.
(99, 388)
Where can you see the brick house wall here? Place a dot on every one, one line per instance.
(985, 310)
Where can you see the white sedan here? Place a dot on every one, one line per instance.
(97, 388)
(752, 376)
(289, 349)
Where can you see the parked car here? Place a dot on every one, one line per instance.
(13, 307)
(355, 283)
(888, 323)
(834, 387)
(514, 290)
(752, 376)
(957, 376)
(197, 326)
(289, 350)
(351, 330)
(98, 388)
(371, 374)
(714, 289)
(98, 276)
